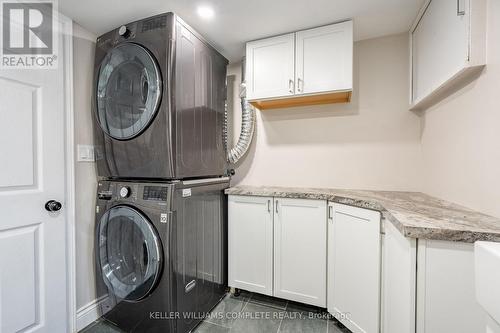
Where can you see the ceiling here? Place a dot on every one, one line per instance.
(238, 21)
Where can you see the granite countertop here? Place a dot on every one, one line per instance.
(414, 214)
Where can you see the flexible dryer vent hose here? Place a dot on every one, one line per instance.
(247, 124)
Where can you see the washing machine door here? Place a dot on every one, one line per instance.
(129, 252)
(128, 91)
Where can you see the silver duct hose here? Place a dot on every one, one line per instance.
(247, 124)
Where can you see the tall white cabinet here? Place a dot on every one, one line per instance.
(300, 250)
(277, 246)
(354, 264)
(250, 243)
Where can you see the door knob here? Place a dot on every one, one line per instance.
(53, 206)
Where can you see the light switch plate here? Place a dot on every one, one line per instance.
(85, 153)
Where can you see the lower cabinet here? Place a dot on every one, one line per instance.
(446, 299)
(428, 286)
(399, 274)
(277, 246)
(351, 261)
(300, 250)
(354, 257)
(250, 243)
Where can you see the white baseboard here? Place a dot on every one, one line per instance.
(89, 313)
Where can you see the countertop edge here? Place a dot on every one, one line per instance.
(443, 234)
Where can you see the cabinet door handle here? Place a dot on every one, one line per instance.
(330, 212)
(299, 80)
(269, 206)
(460, 9)
(290, 86)
(276, 206)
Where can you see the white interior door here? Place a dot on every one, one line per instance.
(33, 269)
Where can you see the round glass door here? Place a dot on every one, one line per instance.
(129, 253)
(128, 91)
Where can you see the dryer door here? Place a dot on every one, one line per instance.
(128, 91)
(129, 252)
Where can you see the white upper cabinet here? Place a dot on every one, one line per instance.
(270, 67)
(302, 68)
(324, 59)
(447, 45)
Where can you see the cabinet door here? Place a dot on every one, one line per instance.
(439, 45)
(300, 250)
(270, 67)
(446, 299)
(399, 281)
(324, 59)
(354, 254)
(250, 243)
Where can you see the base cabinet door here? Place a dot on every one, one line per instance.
(354, 256)
(446, 299)
(399, 271)
(300, 250)
(250, 243)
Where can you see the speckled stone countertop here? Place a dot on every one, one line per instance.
(415, 214)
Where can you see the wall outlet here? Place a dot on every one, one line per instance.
(85, 153)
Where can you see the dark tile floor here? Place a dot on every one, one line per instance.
(250, 313)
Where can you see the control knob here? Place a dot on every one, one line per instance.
(124, 192)
(124, 31)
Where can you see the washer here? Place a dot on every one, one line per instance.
(159, 265)
(159, 99)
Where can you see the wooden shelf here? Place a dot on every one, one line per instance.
(288, 102)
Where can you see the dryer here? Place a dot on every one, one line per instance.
(159, 100)
(160, 252)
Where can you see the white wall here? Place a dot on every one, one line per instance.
(371, 143)
(85, 173)
(461, 136)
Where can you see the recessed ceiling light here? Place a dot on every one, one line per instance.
(205, 12)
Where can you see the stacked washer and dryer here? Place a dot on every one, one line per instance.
(161, 214)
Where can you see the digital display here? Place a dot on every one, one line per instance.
(155, 193)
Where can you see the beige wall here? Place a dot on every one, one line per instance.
(85, 174)
(461, 136)
(371, 143)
